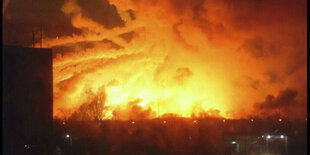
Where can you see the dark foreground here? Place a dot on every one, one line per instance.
(180, 136)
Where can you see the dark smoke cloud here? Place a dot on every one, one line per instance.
(286, 104)
(21, 18)
(285, 98)
(258, 47)
(102, 12)
(128, 36)
(83, 46)
(273, 77)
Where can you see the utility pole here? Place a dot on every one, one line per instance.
(286, 146)
(32, 39)
(41, 36)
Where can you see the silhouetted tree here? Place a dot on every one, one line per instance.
(93, 108)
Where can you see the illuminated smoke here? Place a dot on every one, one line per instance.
(185, 58)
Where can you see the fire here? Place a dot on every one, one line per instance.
(178, 87)
(172, 63)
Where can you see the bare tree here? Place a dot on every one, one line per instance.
(93, 109)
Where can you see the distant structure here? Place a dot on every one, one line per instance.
(259, 144)
(27, 100)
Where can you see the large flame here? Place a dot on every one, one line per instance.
(169, 64)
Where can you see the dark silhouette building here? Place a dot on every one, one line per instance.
(27, 100)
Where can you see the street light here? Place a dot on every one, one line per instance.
(67, 136)
(27, 146)
(268, 137)
(237, 145)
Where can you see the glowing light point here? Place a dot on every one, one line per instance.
(268, 137)
(262, 136)
(164, 122)
(280, 120)
(27, 146)
(132, 122)
(224, 120)
(281, 136)
(195, 121)
(67, 136)
(142, 104)
(252, 120)
(233, 142)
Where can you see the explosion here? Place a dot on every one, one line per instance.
(185, 58)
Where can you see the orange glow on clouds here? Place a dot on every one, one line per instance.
(179, 61)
